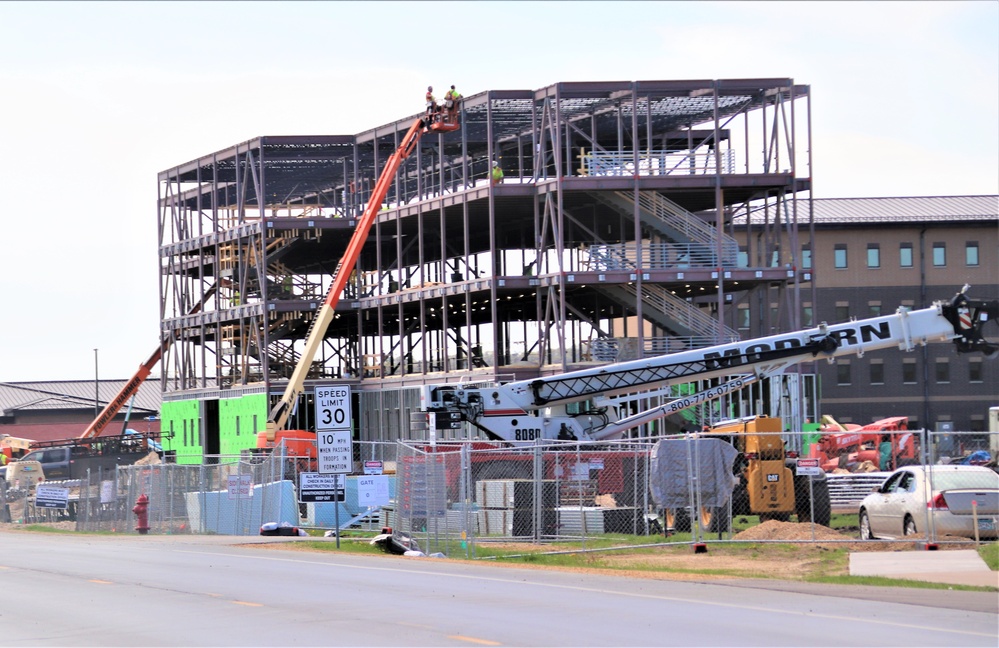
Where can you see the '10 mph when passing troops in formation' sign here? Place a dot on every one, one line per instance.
(334, 424)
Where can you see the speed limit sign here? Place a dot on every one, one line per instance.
(334, 445)
(333, 408)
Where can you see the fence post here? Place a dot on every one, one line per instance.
(464, 494)
(931, 531)
(579, 496)
(538, 492)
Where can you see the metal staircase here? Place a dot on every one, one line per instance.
(672, 222)
(672, 313)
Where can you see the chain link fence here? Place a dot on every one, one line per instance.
(452, 497)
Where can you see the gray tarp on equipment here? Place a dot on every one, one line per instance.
(711, 460)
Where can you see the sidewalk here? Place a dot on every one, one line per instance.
(957, 567)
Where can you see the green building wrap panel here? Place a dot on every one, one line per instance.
(181, 425)
(239, 421)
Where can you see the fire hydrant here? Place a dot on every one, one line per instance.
(141, 510)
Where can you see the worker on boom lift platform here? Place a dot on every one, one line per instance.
(451, 99)
(431, 101)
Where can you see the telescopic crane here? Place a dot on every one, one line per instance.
(278, 417)
(533, 409)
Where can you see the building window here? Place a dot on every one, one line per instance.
(939, 254)
(743, 315)
(842, 311)
(806, 258)
(908, 371)
(843, 372)
(942, 372)
(839, 255)
(806, 316)
(877, 373)
(971, 253)
(873, 255)
(743, 260)
(977, 423)
(975, 370)
(874, 309)
(905, 255)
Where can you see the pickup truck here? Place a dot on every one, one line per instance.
(72, 458)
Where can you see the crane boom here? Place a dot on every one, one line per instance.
(130, 388)
(533, 409)
(279, 414)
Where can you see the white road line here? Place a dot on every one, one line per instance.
(755, 608)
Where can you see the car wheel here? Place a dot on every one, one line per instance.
(865, 527)
(909, 527)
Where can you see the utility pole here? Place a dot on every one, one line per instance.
(97, 388)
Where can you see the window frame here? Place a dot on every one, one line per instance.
(843, 371)
(880, 370)
(968, 247)
(840, 249)
(942, 248)
(902, 249)
(941, 364)
(874, 248)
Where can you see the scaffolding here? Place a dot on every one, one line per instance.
(611, 236)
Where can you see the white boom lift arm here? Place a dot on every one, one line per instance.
(533, 409)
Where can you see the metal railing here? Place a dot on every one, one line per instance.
(665, 256)
(655, 162)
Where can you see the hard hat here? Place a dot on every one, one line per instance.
(452, 87)
(495, 164)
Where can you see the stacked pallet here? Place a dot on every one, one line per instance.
(506, 507)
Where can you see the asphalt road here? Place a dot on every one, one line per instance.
(71, 590)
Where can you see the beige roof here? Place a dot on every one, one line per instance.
(74, 395)
(899, 210)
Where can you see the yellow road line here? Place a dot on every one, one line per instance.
(481, 642)
(247, 603)
(101, 582)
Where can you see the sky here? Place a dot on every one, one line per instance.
(100, 97)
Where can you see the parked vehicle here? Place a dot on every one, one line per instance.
(24, 474)
(953, 498)
(72, 458)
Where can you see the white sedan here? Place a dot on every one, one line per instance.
(952, 498)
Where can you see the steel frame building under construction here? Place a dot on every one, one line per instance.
(611, 237)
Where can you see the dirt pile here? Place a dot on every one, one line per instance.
(791, 531)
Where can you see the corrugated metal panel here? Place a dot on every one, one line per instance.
(912, 209)
(72, 395)
(909, 209)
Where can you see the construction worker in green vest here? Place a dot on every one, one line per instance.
(234, 300)
(451, 99)
(497, 174)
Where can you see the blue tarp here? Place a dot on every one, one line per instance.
(670, 473)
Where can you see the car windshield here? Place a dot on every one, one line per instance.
(951, 479)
